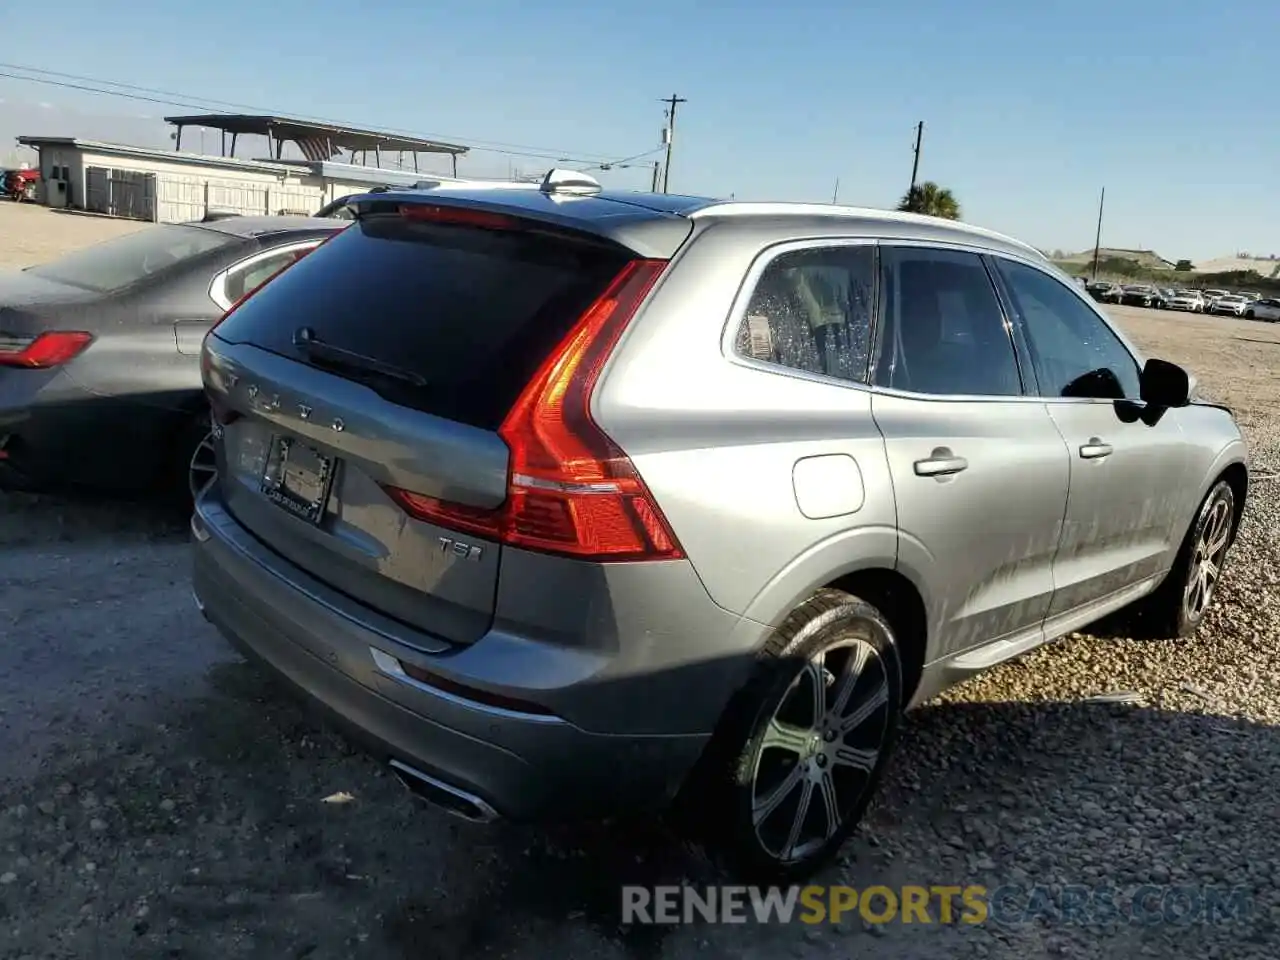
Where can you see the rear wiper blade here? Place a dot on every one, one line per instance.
(306, 340)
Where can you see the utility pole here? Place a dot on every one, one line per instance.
(915, 163)
(835, 194)
(672, 102)
(1097, 238)
(657, 165)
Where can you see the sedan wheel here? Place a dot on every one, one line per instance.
(203, 467)
(802, 748)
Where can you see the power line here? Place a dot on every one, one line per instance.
(187, 101)
(625, 162)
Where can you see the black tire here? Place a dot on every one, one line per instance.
(831, 631)
(1175, 609)
(1249, 315)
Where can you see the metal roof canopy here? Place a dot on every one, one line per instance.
(317, 141)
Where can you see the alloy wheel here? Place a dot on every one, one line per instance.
(820, 750)
(204, 466)
(1206, 561)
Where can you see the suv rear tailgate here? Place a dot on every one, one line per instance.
(429, 332)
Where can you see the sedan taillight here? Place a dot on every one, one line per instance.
(50, 349)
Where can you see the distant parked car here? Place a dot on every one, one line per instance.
(1210, 296)
(1139, 295)
(581, 502)
(1191, 301)
(1250, 295)
(100, 350)
(1104, 291)
(19, 185)
(1229, 304)
(1263, 310)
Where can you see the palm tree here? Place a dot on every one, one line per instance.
(930, 199)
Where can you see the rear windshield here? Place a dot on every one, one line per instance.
(125, 260)
(470, 312)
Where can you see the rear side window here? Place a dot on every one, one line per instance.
(247, 279)
(471, 312)
(811, 311)
(944, 331)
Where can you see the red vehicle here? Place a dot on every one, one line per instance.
(20, 185)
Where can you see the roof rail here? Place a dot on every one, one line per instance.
(758, 208)
(569, 181)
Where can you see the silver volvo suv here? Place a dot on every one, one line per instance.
(580, 503)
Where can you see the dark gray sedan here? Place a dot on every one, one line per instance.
(100, 350)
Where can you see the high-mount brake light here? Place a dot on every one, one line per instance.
(52, 348)
(458, 216)
(570, 490)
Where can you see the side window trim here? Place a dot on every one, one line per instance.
(1017, 328)
(218, 286)
(1083, 298)
(878, 325)
(742, 303)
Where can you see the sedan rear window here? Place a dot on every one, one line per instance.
(124, 261)
(469, 313)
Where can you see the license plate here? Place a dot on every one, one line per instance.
(297, 478)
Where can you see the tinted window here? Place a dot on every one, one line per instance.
(1074, 352)
(126, 260)
(473, 312)
(811, 310)
(943, 330)
(247, 279)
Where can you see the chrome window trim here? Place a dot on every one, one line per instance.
(218, 285)
(767, 254)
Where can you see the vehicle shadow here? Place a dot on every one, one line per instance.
(28, 518)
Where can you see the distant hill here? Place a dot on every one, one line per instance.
(1145, 259)
(1262, 267)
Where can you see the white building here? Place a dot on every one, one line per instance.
(172, 186)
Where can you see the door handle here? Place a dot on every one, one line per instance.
(941, 463)
(1095, 449)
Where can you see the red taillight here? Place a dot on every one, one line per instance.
(571, 490)
(458, 216)
(51, 349)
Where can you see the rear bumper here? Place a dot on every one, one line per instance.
(525, 766)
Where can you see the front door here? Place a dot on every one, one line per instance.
(1128, 461)
(979, 470)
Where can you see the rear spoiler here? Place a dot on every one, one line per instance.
(645, 232)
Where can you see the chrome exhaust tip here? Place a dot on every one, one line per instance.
(439, 794)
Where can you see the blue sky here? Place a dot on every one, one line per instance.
(1029, 108)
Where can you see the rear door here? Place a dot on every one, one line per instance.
(448, 321)
(979, 470)
(1128, 462)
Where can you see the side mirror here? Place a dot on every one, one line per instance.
(1165, 384)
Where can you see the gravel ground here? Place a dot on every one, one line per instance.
(160, 799)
